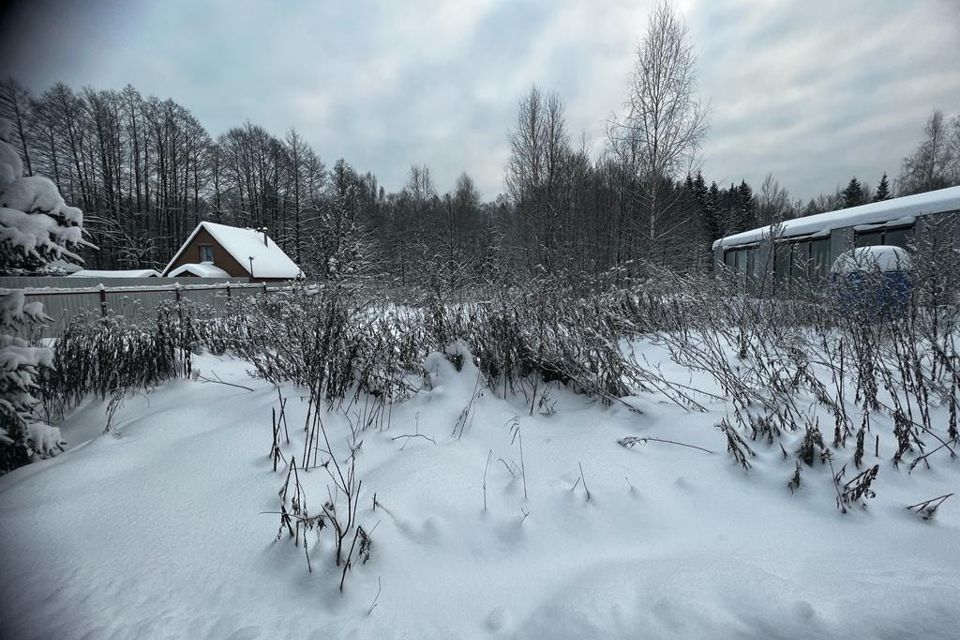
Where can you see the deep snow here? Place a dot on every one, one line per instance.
(156, 529)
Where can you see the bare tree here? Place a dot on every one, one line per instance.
(931, 166)
(538, 177)
(14, 105)
(665, 122)
(773, 202)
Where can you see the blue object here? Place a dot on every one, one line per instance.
(873, 295)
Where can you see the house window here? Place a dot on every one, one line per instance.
(206, 253)
(869, 238)
(897, 237)
(801, 260)
(900, 237)
(819, 259)
(783, 255)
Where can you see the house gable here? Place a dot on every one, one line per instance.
(190, 253)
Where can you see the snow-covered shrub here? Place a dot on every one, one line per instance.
(786, 361)
(36, 225)
(547, 332)
(332, 340)
(107, 356)
(23, 436)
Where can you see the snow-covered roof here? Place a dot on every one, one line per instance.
(201, 270)
(120, 273)
(920, 204)
(61, 265)
(269, 260)
(876, 258)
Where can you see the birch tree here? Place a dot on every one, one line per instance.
(664, 122)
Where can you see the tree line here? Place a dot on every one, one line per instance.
(145, 172)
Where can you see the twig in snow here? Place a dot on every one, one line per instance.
(632, 441)
(377, 597)
(928, 508)
(219, 380)
(511, 470)
(414, 435)
(515, 429)
(525, 514)
(584, 481)
(485, 469)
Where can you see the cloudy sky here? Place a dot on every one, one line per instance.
(814, 91)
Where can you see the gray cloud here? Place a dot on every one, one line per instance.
(815, 92)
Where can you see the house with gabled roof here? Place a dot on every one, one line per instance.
(219, 250)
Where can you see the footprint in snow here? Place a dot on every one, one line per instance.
(497, 619)
(246, 633)
(805, 610)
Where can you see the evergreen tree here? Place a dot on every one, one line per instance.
(24, 437)
(711, 212)
(853, 194)
(700, 189)
(883, 189)
(746, 211)
(36, 226)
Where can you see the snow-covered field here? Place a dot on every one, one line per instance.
(158, 529)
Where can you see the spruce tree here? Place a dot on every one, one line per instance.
(711, 212)
(853, 194)
(746, 211)
(883, 189)
(36, 226)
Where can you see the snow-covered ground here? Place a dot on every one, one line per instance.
(158, 529)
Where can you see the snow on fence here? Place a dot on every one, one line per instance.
(133, 298)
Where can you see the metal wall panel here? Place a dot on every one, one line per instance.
(135, 299)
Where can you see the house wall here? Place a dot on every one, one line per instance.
(222, 259)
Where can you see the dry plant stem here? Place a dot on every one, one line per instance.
(221, 381)
(373, 605)
(631, 441)
(584, 481)
(486, 468)
(405, 436)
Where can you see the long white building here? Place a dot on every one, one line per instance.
(806, 247)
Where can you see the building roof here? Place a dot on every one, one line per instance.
(121, 273)
(201, 270)
(905, 208)
(269, 260)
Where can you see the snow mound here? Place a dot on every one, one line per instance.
(884, 259)
(118, 273)
(201, 270)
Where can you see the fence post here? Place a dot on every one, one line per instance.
(103, 300)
